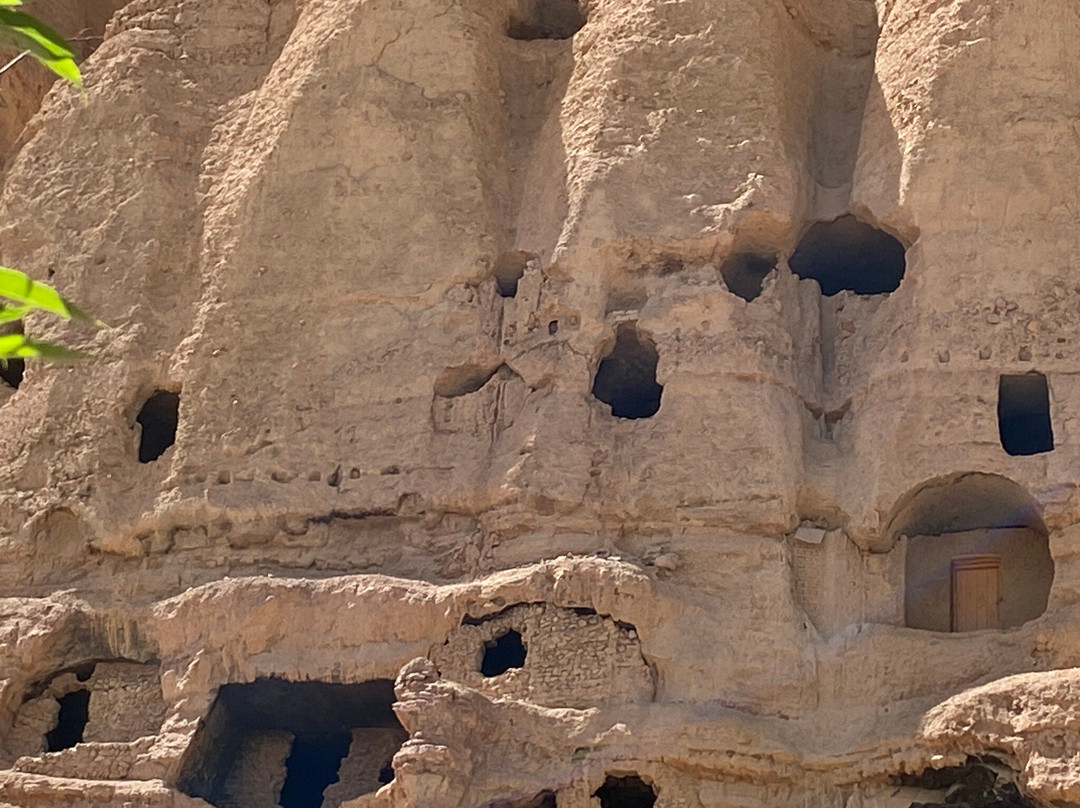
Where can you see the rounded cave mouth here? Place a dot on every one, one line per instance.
(848, 254)
(626, 378)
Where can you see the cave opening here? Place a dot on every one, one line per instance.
(71, 721)
(745, 273)
(11, 372)
(975, 784)
(503, 653)
(850, 255)
(158, 418)
(545, 19)
(626, 378)
(509, 269)
(293, 744)
(626, 792)
(313, 764)
(1024, 414)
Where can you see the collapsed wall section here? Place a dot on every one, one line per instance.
(550, 656)
(97, 702)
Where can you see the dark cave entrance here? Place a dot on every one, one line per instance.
(11, 372)
(158, 418)
(509, 269)
(503, 653)
(626, 377)
(744, 273)
(1024, 414)
(626, 792)
(545, 19)
(847, 254)
(70, 721)
(313, 764)
(290, 744)
(972, 785)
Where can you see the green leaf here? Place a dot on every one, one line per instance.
(24, 290)
(10, 3)
(9, 314)
(42, 42)
(17, 346)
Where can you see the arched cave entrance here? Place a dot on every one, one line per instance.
(847, 254)
(1024, 414)
(626, 377)
(544, 19)
(977, 554)
(293, 744)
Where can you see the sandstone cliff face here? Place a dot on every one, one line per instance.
(531, 403)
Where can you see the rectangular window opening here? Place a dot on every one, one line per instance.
(1024, 414)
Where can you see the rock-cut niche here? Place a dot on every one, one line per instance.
(293, 744)
(1024, 414)
(977, 555)
(850, 255)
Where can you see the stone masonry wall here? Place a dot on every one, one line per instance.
(574, 658)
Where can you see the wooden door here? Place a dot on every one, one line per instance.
(976, 589)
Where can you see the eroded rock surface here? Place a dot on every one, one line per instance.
(541, 403)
